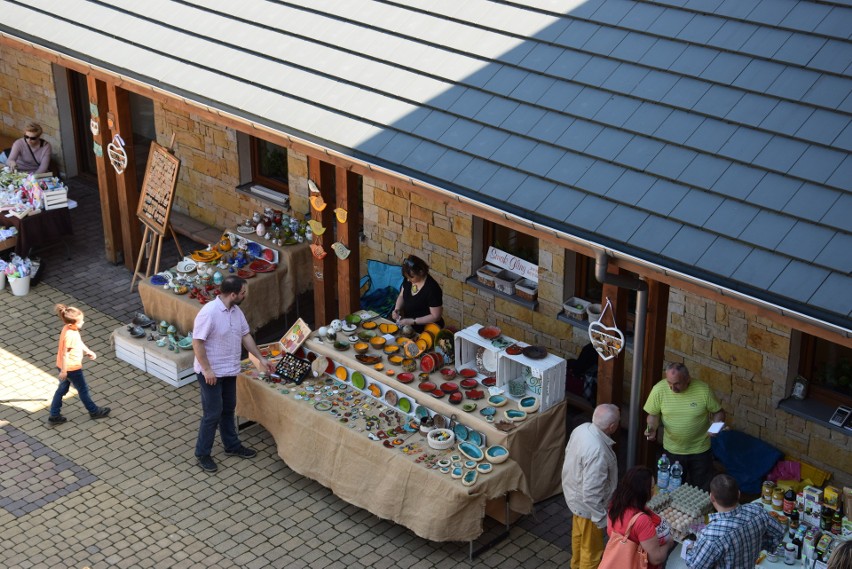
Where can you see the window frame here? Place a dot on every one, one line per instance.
(807, 367)
(257, 177)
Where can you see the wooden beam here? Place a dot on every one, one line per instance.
(320, 153)
(106, 174)
(348, 270)
(127, 185)
(325, 282)
(652, 361)
(611, 372)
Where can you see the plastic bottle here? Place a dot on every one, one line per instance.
(663, 472)
(675, 476)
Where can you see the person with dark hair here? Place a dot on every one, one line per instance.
(219, 333)
(685, 406)
(31, 153)
(589, 475)
(420, 300)
(649, 530)
(736, 533)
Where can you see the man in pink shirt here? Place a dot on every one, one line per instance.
(219, 334)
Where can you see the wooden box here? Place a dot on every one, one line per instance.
(56, 199)
(128, 349)
(545, 378)
(173, 368)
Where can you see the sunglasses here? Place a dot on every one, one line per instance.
(32, 137)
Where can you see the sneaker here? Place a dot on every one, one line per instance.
(242, 452)
(207, 464)
(56, 420)
(100, 413)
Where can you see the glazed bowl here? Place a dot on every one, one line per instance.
(361, 347)
(377, 342)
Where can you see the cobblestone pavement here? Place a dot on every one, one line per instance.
(125, 491)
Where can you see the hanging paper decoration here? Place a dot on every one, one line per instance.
(316, 227)
(317, 202)
(341, 250)
(608, 341)
(117, 154)
(341, 214)
(95, 126)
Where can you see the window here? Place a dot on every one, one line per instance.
(509, 240)
(828, 368)
(269, 165)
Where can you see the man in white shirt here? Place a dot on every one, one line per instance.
(589, 477)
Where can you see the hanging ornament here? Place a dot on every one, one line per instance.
(95, 126)
(117, 154)
(317, 202)
(97, 149)
(316, 227)
(317, 251)
(341, 250)
(341, 214)
(608, 341)
(312, 186)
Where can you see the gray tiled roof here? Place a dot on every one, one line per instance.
(708, 136)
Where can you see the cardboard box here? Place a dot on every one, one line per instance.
(831, 497)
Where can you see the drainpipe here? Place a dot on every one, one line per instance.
(641, 288)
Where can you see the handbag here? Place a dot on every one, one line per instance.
(621, 553)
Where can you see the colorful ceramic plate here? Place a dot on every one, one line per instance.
(468, 373)
(501, 342)
(322, 405)
(475, 437)
(490, 332)
(341, 346)
(368, 360)
(391, 398)
(358, 380)
(261, 266)
(484, 467)
(514, 350)
(475, 394)
(529, 404)
(456, 398)
(353, 319)
(461, 432)
(369, 325)
(471, 451)
(469, 383)
(535, 352)
(489, 381)
(421, 412)
(488, 411)
(468, 407)
(404, 404)
(449, 387)
(375, 390)
(514, 415)
(496, 454)
(427, 386)
(396, 360)
(497, 400)
(437, 393)
(341, 373)
(245, 273)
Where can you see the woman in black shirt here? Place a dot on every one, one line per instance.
(421, 300)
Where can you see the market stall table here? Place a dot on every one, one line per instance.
(44, 228)
(363, 472)
(537, 444)
(270, 295)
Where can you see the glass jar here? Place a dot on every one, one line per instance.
(778, 499)
(768, 488)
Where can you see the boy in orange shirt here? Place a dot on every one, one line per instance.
(69, 360)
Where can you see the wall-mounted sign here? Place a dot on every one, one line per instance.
(511, 263)
(608, 341)
(158, 187)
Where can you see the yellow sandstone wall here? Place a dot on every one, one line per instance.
(28, 94)
(745, 359)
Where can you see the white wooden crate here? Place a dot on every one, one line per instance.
(55, 199)
(174, 369)
(467, 344)
(128, 349)
(545, 378)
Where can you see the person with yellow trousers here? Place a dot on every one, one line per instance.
(589, 477)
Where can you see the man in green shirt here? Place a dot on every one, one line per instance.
(686, 407)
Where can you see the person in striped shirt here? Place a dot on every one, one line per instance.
(685, 406)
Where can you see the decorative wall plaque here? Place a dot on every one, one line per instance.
(117, 154)
(608, 341)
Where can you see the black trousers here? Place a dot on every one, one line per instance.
(698, 469)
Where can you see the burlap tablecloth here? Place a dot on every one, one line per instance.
(537, 444)
(270, 295)
(383, 481)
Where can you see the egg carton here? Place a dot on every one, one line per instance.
(691, 501)
(681, 524)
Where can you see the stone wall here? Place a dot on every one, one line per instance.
(26, 83)
(745, 358)
(209, 170)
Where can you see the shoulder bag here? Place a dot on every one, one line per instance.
(621, 553)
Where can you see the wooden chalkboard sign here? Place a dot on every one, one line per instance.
(158, 189)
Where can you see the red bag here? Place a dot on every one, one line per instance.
(621, 553)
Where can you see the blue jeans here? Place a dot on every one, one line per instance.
(218, 403)
(76, 379)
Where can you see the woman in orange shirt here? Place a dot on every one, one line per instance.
(69, 360)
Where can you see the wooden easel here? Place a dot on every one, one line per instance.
(155, 206)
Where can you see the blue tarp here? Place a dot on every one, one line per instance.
(746, 458)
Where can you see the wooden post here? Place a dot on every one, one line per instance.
(325, 282)
(611, 373)
(127, 185)
(348, 270)
(652, 364)
(110, 213)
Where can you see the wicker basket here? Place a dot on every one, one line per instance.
(505, 281)
(485, 274)
(527, 289)
(441, 439)
(576, 307)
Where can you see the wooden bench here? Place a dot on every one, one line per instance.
(192, 228)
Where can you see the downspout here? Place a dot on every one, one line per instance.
(641, 288)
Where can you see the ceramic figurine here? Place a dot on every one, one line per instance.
(217, 278)
(261, 229)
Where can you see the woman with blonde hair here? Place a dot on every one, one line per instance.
(31, 153)
(69, 360)
(841, 557)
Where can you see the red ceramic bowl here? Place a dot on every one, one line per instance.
(468, 373)
(468, 383)
(405, 377)
(427, 386)
(475, 394)
(449, 387)
(448, 373)
(490, 332)
(489, 381)
(437, 393)
(456, 398)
